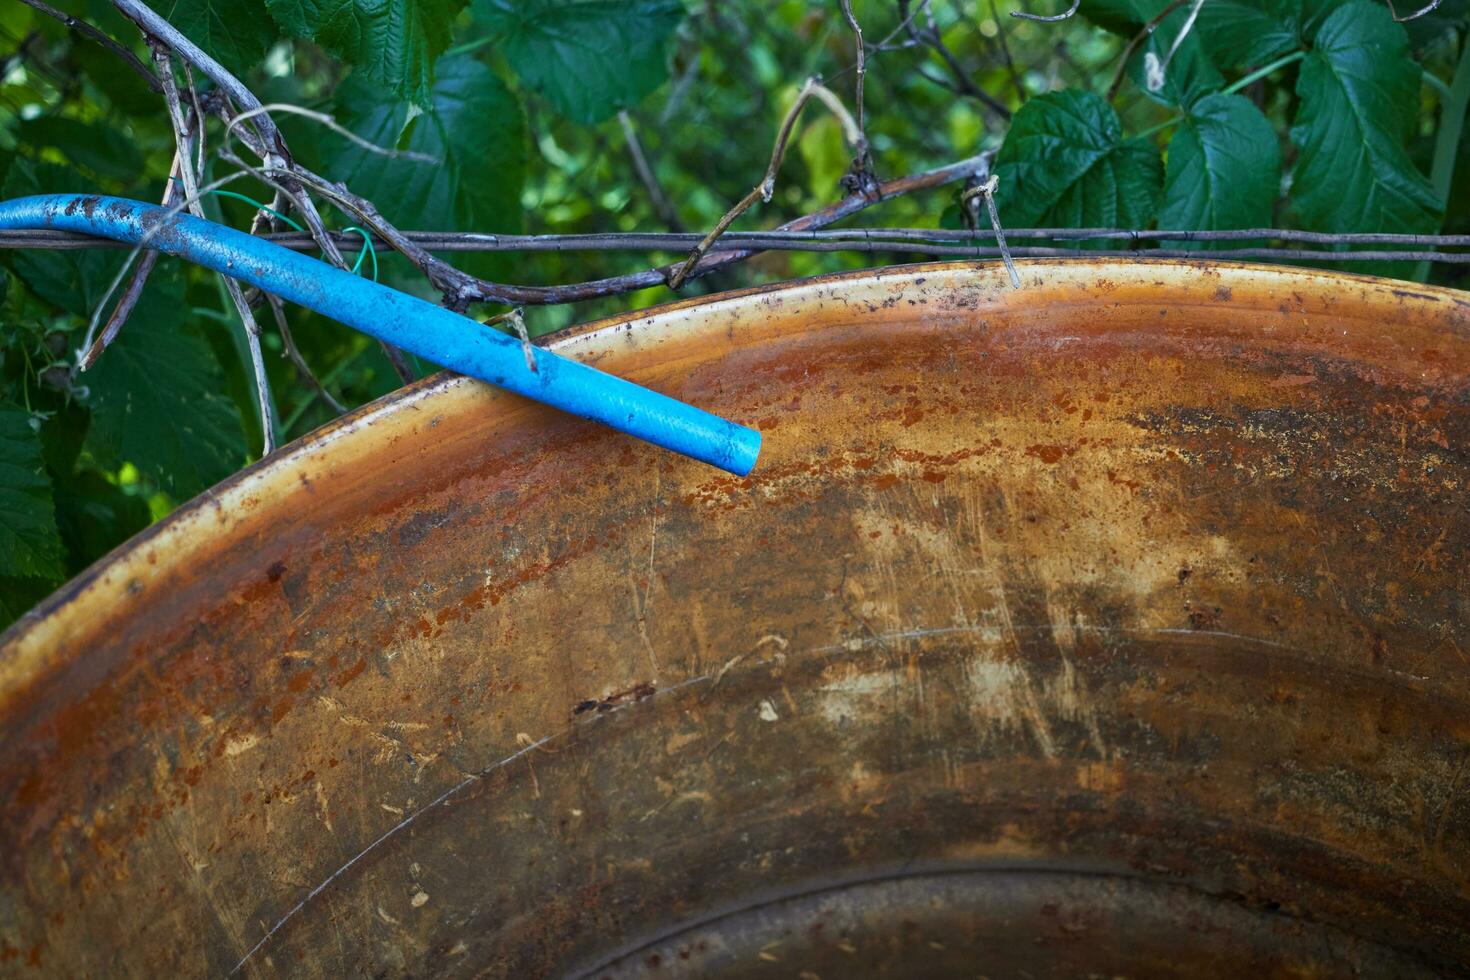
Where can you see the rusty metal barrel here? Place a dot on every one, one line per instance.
(1115, 625)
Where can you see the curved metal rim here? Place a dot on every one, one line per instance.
(36, 641)
(971, 870)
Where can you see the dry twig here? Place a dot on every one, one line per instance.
(1429, 9)
(1053, 19)
(1137, 39)
(94, 33)
(962, 83)
(987, 191)
(859, 177)
(763, 190)
(458, 288)
(163, 62)
(646, 176)
(290, 351)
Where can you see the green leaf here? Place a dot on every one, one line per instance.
(95, 516)
(29, 543)
(473, 129)
(71, 279)
(98, 148)
(393, 42)
(1065, 164)
(236, 32)
(1190, 73)
(1224, 168)
(1359, 91)
(157, 402)
(18, 595)
(1122, 17)
(1249, 33)
(588, 58)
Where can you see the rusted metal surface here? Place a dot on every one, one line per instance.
(1115, 625)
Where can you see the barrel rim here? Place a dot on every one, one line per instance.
(34, 643)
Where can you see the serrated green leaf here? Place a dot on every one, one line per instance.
(1190, 73)
(1358, 89)
(474, 130)
(29, 543)
(157, 402)
(1065, 164)
(589, 58)
(237, 33)
(393, 42)
(72, 279)
(1224, 168)
(1249, 33)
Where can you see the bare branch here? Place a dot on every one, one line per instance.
(907, 18)
(330, 123)
(159, 30)
(1137, 39)
(987, 191)
(646, 176)
(1005, 50)
(1053, 19)
(1433, 6)
(286, 177)
(1154, 68)
(290, 351)
(859, 177)
(271, 145)
(764, 189)
(164, 64)
(133, 291)
(95, 34)
(836, 240)
(963, 83)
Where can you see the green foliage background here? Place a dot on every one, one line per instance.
(1317, 114)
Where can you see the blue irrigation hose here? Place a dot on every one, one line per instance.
(430, 331)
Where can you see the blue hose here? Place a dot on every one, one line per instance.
(430, 331)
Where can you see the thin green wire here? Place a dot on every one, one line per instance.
(367, 240)
(253, 203)
(367, 249)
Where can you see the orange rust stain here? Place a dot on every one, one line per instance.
(493, 592)
(301, 680)
(350, 674)
(1132, 485)
(1050, 454)
(28, 794)
(1292, 381)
